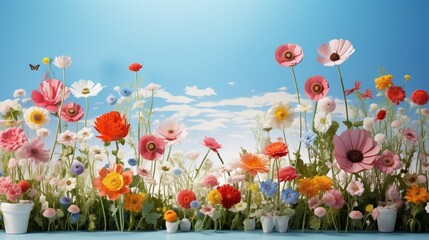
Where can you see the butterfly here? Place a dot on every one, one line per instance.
(34, 67)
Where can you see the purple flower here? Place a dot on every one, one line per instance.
(77, 168)
(65, 201)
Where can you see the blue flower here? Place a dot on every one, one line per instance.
(195, 204)
(268, 187)
(111, 100)
(77, 168)
(309, 138)
(290, 196)
(65, 201)
(125, 91)
(177, 171)
(132, 162)
(74, 217)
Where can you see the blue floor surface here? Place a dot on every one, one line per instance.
(207, 235)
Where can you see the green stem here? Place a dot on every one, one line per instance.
(86, 111)
(221, 160)
(344, 92)
(117, 151)
(202, 162)
(299, 102)
(138, 115)
(150, 113)
(314, 114)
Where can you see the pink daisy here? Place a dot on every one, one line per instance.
(67, 138)
(289, 55)
(172, 131)
(12, 138)
(207, 210)
(151, 147)
(320, 212)
(212, 144)
(335, 52)
(355, 150)
(355, 188)
(35, 151)
(316, 87)
(313, 203)
(410, 134)
(339, 200)
(388, 162)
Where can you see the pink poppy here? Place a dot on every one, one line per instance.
(50, 95)
(34, 150)
(316, 87)
(335, 52)
(212, 144)
(71, 112)
(12, 138)
(210, 181)
(287, 174)
(388, 162)
(410, 134)
(355, 215)
(355, 150)
(289, 55)
(151, 147)
(172, 131)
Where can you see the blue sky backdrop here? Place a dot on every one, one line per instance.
(213, 59)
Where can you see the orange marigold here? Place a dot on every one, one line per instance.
(253, 164)
(307, 187)
(134, 202)
(170, 216)
(112, 182)
(323, 183)
(112, 126)
(383, 82)
(417, 195)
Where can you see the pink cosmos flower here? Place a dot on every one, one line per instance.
(210, 181)
(335, 52)
(49, 213)
(50, 95)
(316, 87)
(172, 131)
(388, 162)
(355, 215)
(287, 174)
(355, 150)
(71, 112)
(355, 188)
(207, 210)
(313, 203)
(289, 55)
(35, 151)
(410, 134)
(212, 144)
(151, 147)
(143, 172)
(73, 209)
(12, 138)
(320, 212)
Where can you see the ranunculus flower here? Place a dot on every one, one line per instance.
(230, 195)
(420, 97)
(276, 150)
(210, 181)
(289, 55)
(316, 87)
(326, 104)
(355, 215)
(24, 185)
(151, 147)
(112, 126)
(287, 174)
(135, 67)
(335, 52)
(12, 138)
(50, 95)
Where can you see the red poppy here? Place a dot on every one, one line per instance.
(420, 97)
(276, 150)
(230, 195)
(112, 126)
(381, 115)
(395, 94)
(135, 67)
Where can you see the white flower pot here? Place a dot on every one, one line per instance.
(185, 225)
(281, 223)
(171, 227)
(267, 224)
(386, 219)
(16, 216)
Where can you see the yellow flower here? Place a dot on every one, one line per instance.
(214, 197)
(383, 82)
(369, 208)
(307, 187)
(46, 60)
(417, 195)
(323, 183)
(134, 202)
(407, 77)
(113, 181)
(254, 187)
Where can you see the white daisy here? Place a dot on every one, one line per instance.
(36, 117)
(322, 122)
(85, 88)
(85, 134)
(303, 107)
(153, 87)
(62, 61)
(97, 152)
(68, 184)
(67, 138)
(280, 116)
(43, 132)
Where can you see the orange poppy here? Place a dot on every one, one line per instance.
(253, 164)
(112, 126)
(276, 150)
(112, 182)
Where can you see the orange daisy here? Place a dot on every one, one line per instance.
(417, 195)
(253, 164)
(112, 182)
(112, 126)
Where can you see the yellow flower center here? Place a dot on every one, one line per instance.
(69, 182)
(113, 181)
(323, 120)
(71, 112)
(281, 113)
(37, 117)
(85, 91)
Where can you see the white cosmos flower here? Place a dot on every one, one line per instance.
(85, 88)
(67, 138)
(36, 117)
(172, 131)
(322, 122)
(68, 184)
(280, 116)
(97, 152)
(85, 134)
(62, 61)
(19, 93)
(152, 87)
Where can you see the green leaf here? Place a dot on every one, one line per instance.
(106, 144)
(122, 141)
(147, 208)
(114, 152)
(198, 226)
(358, 124)
(348, 124)
(314, 223)
(152, 218)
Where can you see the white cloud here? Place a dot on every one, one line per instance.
(207, 125)
(183, 110)
(282, 89)
(231, 83)
(170, 98)
(195, 92)
(237, 136)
